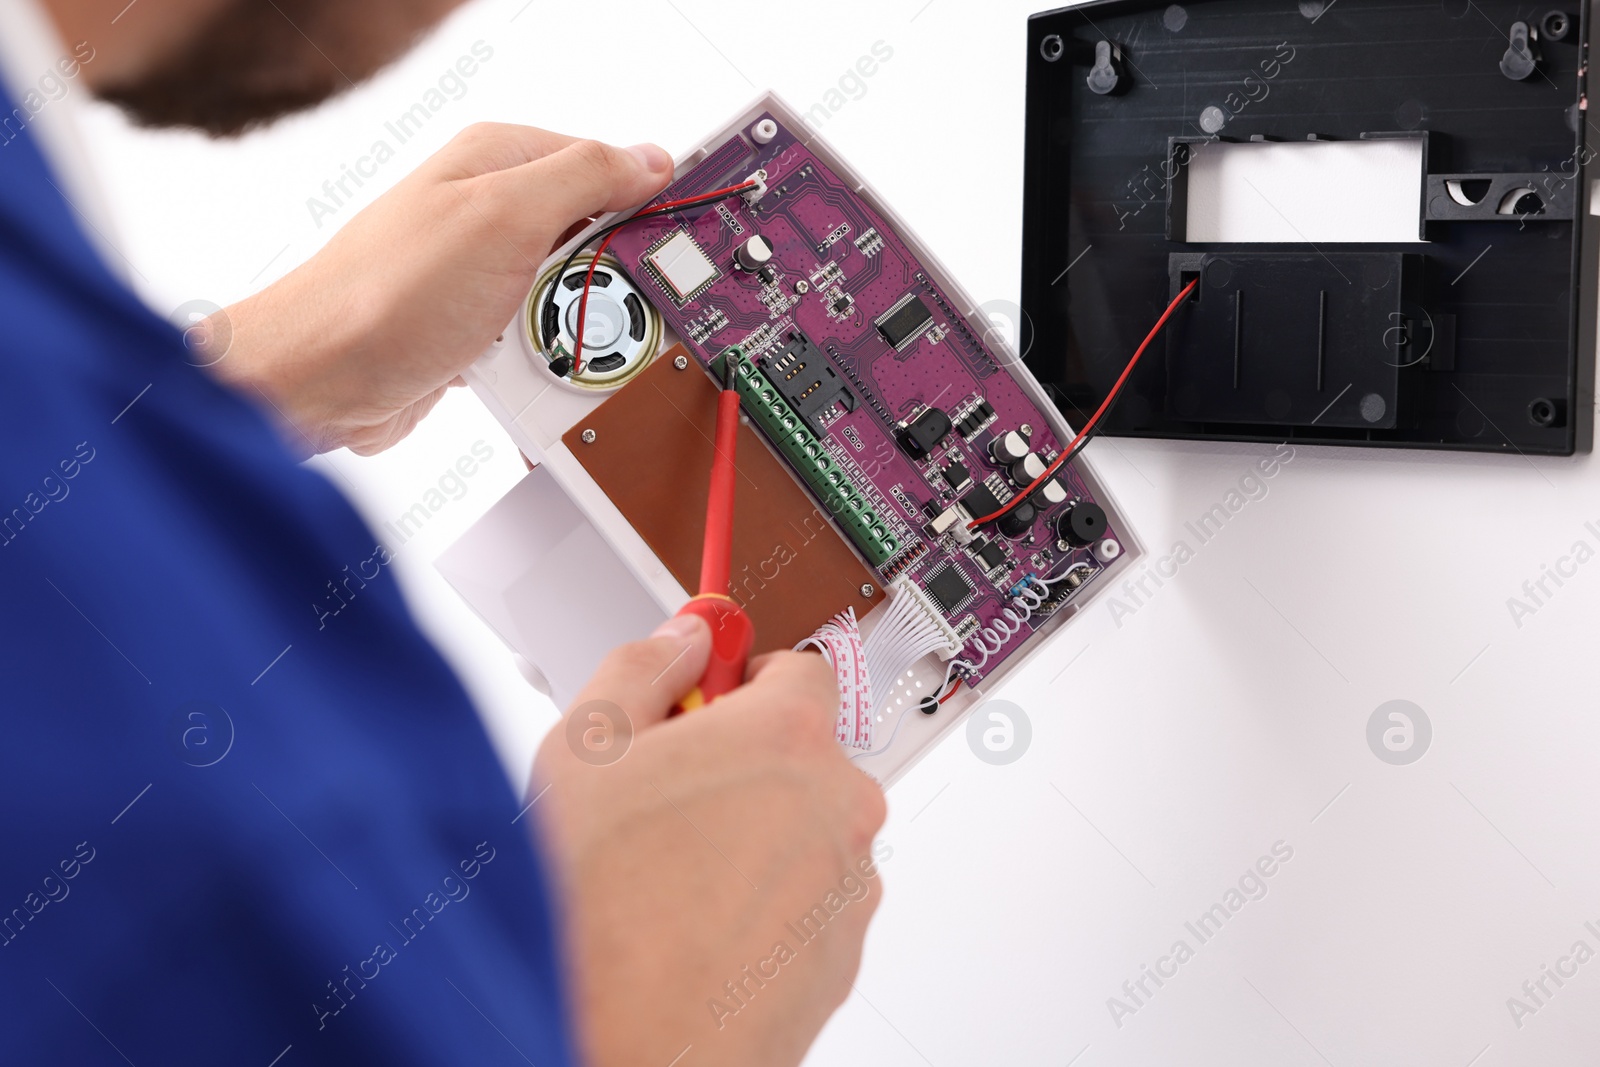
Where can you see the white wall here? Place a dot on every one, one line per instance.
(1226, 714)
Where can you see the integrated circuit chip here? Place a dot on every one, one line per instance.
(682, 267)
(904, 322)
(990, 554)
(981, 414)
(979, 502)
(924, 433)
(949, 588)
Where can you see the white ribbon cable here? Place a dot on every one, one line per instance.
(840, 643)
(900, 640)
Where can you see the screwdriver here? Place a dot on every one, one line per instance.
(732, 633)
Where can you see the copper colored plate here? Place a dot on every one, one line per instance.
(652, 454)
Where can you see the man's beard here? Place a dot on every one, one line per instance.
(257, 60)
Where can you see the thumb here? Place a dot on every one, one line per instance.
(586, 178)
(646, 679)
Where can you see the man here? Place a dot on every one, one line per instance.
(233, 837)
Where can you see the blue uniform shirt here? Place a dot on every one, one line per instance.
(231, 831)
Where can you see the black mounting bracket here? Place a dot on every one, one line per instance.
(1478, 333)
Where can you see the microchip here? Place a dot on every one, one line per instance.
(843, 304)
(974, 420)
(991, 555)
(904, 322)
(979, 502)
(683, 268)
(949, 588)
(924, 433)
(956, 475)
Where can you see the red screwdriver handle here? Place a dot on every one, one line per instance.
(732, 636)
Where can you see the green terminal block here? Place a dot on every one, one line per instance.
(803, 449)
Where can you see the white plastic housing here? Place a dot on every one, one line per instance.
(536, 409)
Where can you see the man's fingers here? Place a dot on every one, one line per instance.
(584, 179)
(575, 229)
(648, 678)
(805, 679)
(485, 147)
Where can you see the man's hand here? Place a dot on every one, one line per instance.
(355, 346)
(718, 877)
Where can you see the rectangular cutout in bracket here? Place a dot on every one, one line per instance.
(1305, 192)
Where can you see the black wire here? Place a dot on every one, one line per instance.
(604, 231)
(1088, 438)
(1094, 432)
(1116, 394)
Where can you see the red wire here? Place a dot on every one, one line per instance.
(1098, 415)
(583, 303)
(588, 279)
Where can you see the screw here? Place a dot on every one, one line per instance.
(1027, 430)
(681, 362)
(802, 288)
(1063, 546)
(867, 590)
(588, 437)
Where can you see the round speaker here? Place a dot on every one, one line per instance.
(622, 332)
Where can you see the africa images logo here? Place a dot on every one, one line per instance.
(1399, 732)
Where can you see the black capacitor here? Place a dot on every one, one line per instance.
(1008, 448)
(1025, 470)
(754, 254)
(1019, 520)
(1082, 524)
